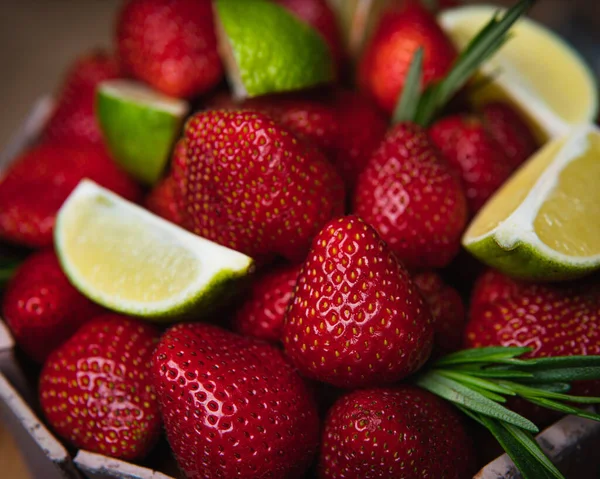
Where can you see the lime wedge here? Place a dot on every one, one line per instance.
(139, 126)
(543, 223)
(129, 260)
(266, 49)
(536, 70)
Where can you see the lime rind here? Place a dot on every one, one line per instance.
(268, 50)
(518, 89)
(220, 267)
(139, 126)
(513, 246)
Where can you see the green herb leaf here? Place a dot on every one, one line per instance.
(483, 46)
(478, 382)
(456, 392)
(530, 392)
(411, 93)
(493, 372)
(494, 354)
(556, 406)
(523, 450)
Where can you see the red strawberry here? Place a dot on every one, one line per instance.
(402, 432)
(39, 181)
(554, 320)
(413, 199)
(42, 309)
(361, 128)
(95, 390)
(233, 407)
(262, 314)
(73, 120)
(319, 15)
(386, 60)
(490, 287)
(469, 148)
(251, 186)
(309, 120)
(170, 44)
(447, 309)
(509, 129)
(356, 318)
(163, 201)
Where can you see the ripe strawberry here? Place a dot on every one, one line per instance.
(356, 318)
(386, 60)
(42, 309)
(554, 320)
(95, 390)
(413, 199)
(309, 120)
(262, 314)
(469, 148)
(170, 44)
(255, 188)
(509, 129)
(361, 128)
(163, 201)
(39, 181)
(490, 287)
(402, 432)
(73, 120)
(319, 15)
(447, 309)
(233, 407)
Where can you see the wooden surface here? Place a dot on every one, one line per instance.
(11, 461)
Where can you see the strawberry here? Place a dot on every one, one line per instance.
(490, 287)
(319, 15)
(163, 201)
(386, 60)
(170, 44)
(41, 308)
(233, 407)
(509, 130)
(73, 119)
(309, 120)
(95, 389)
(554, 320)
(413, 199)
(357, 318)
(262, 314)
(40, 180)
(447, 309)
(361, 128)
(469, 148)
(252, 186)
(401, 432)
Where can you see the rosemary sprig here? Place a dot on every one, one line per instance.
(478, 381)
(480, 49)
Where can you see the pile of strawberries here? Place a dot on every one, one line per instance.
(355, 226)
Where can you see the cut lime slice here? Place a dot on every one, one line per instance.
(139, 126)
(543, 223)
(536, 70)
(129, 260)
(266, 49)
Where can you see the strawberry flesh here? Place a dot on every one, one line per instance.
(35, 186)
(252, 186)
(170, 44)
(413, 198)
(263, 312)
(401, 432)
(73, 119)
(95, 390)
(233, 407)
(356, 319)
(41, 308)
